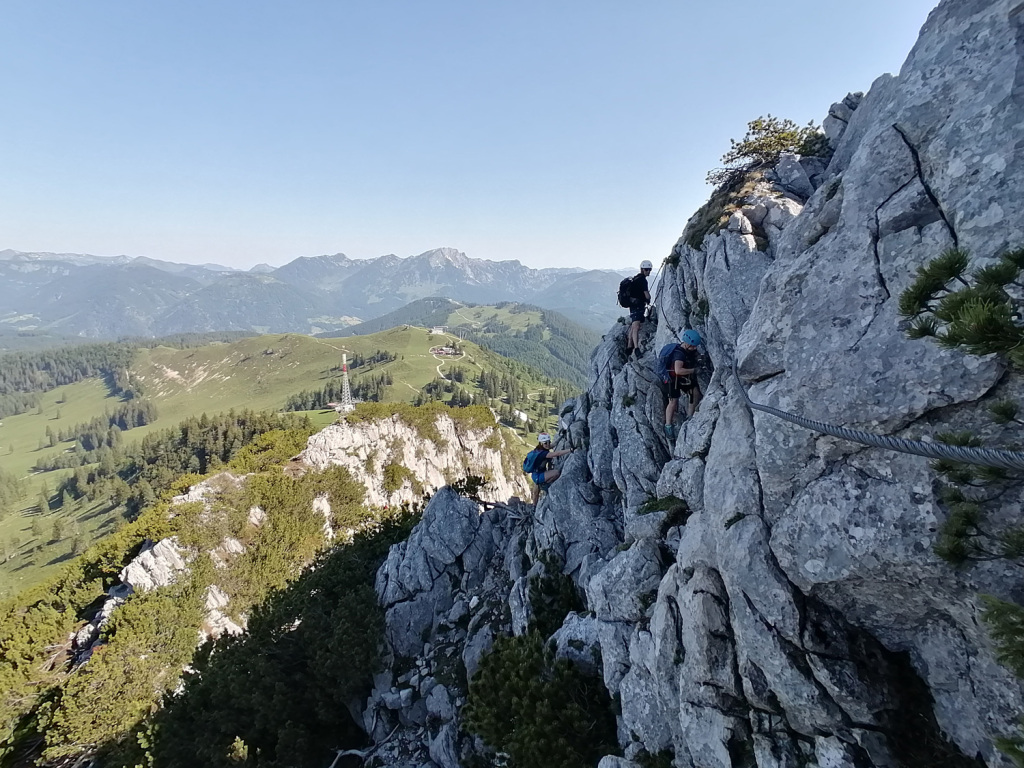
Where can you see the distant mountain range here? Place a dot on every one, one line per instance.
(110, 297)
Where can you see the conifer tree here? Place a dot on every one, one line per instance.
(981, 313)
(975, 312)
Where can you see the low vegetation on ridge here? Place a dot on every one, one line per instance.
(63, 477)
(106, 707)
(744, 167)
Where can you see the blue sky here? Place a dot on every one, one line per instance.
(561, 133)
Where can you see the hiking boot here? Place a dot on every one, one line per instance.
(637, 353)
(670, 432)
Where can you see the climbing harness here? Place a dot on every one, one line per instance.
(985, 457)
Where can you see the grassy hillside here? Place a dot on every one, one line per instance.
(544, 339)
(428, 312)
(259, 373)
(550, 342)
(22, 440)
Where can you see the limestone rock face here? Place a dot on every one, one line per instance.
(165, 562)
(157, 565)
(798, 616)
(448, 582)
(367, 448)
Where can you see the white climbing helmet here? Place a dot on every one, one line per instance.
(543, 437)
(646, 264)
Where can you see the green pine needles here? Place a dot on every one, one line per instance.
(763, 144)
(1006, 623)
(553, 596)
(976, 312)
(541, 711)
(980, 313)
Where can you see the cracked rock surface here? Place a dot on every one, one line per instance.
(798, 616)
(366, 448)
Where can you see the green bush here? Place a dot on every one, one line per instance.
(678, 511)
(974, 312)
(969, 312)
(553, 596)
(281, 691)
(396, 474)
(270, 449)
(544, 712)
(148, 641)
(766, 139)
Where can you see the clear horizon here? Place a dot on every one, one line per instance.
(259, 264)
(568, 136)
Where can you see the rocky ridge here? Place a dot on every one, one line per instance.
(364, 449)
(162, 563)
(367, 448)
(796, 615)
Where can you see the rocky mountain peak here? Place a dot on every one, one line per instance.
(754, 592)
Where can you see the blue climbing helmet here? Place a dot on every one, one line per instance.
(692, 337)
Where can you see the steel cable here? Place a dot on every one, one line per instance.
(984, 457)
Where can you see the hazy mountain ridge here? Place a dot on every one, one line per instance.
(105, 297)
(543, 338)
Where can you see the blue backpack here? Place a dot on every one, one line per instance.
(661, 367)
(534, 461)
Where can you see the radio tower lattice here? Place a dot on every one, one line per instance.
(346, 403)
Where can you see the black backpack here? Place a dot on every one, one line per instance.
(626, 293)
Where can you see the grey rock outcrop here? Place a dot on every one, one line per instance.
(798, 616)
(366, 448)
(157, 565)
(448, 582)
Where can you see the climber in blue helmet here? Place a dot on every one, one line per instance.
(680, 363)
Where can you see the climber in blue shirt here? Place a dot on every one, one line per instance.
(537, 461)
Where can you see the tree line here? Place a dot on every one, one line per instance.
(565, 354)
(11, 490)
(369, 387)
(25, 375)
(134, 475)
(379, 356)
(97, 432)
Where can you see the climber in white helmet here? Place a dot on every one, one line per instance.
(536, 464)
(640, 296)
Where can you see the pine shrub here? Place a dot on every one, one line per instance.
(975, 312)
(542, 711)
(981, 314)
(553, 596)
(766, 139)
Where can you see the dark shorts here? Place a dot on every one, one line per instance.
(636, 314)
(677, 385)
(538, 478)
